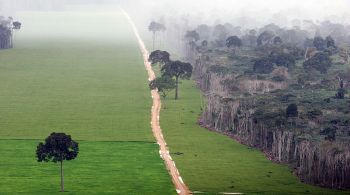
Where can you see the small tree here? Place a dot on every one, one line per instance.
(263, 65)
(233, 41)
(192, 35)
(154, 27)
(160, 57)
(277, 40)
(320, 61)
(282, 59)
(292, 110)
(57, 148)
(178, 70)
(340, 93)
(319, 43)
(204, 43)
(330, 42)
(164, 84)
(17, 25)
(265, 37)
(329, 133)
(219, 34)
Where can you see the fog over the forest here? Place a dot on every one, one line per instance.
(248, 12)
(237, 12)
(180, 16)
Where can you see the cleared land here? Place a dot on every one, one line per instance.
(212, 163)
(81, 73)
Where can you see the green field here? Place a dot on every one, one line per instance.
(102, 167)
(80, 73)
(211, 162)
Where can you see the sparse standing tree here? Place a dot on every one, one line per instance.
(341, 91)
(319, 43)
(321, 61)
(233, 42)
(154, 27)
(204, 43)
(292, 110)
(164, 84)
(57, 148)
(16, 27)
(265, 37)
(277, 40)
(178, 70)
(191, 37)
(159, 57)
(330, 42)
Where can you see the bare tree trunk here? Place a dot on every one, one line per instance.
(163, 103)
(62, 185)
(154, 39)
(177, 87)
(11, 39)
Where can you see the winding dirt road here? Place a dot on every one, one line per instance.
(180, 186)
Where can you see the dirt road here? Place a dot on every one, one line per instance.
(180, 186)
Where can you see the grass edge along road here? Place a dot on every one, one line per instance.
(180, 186)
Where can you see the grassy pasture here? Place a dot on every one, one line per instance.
(81, 73)
(89, 83)
(103, 167)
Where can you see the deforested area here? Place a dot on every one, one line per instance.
(278, 84)
(285, 94)
(174, 97)
(282, 90)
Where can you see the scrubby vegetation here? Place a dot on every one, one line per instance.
(281, 90)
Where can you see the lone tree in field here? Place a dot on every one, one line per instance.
(178, 70)
(57, 148)
(154, 27)
(159, 57)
